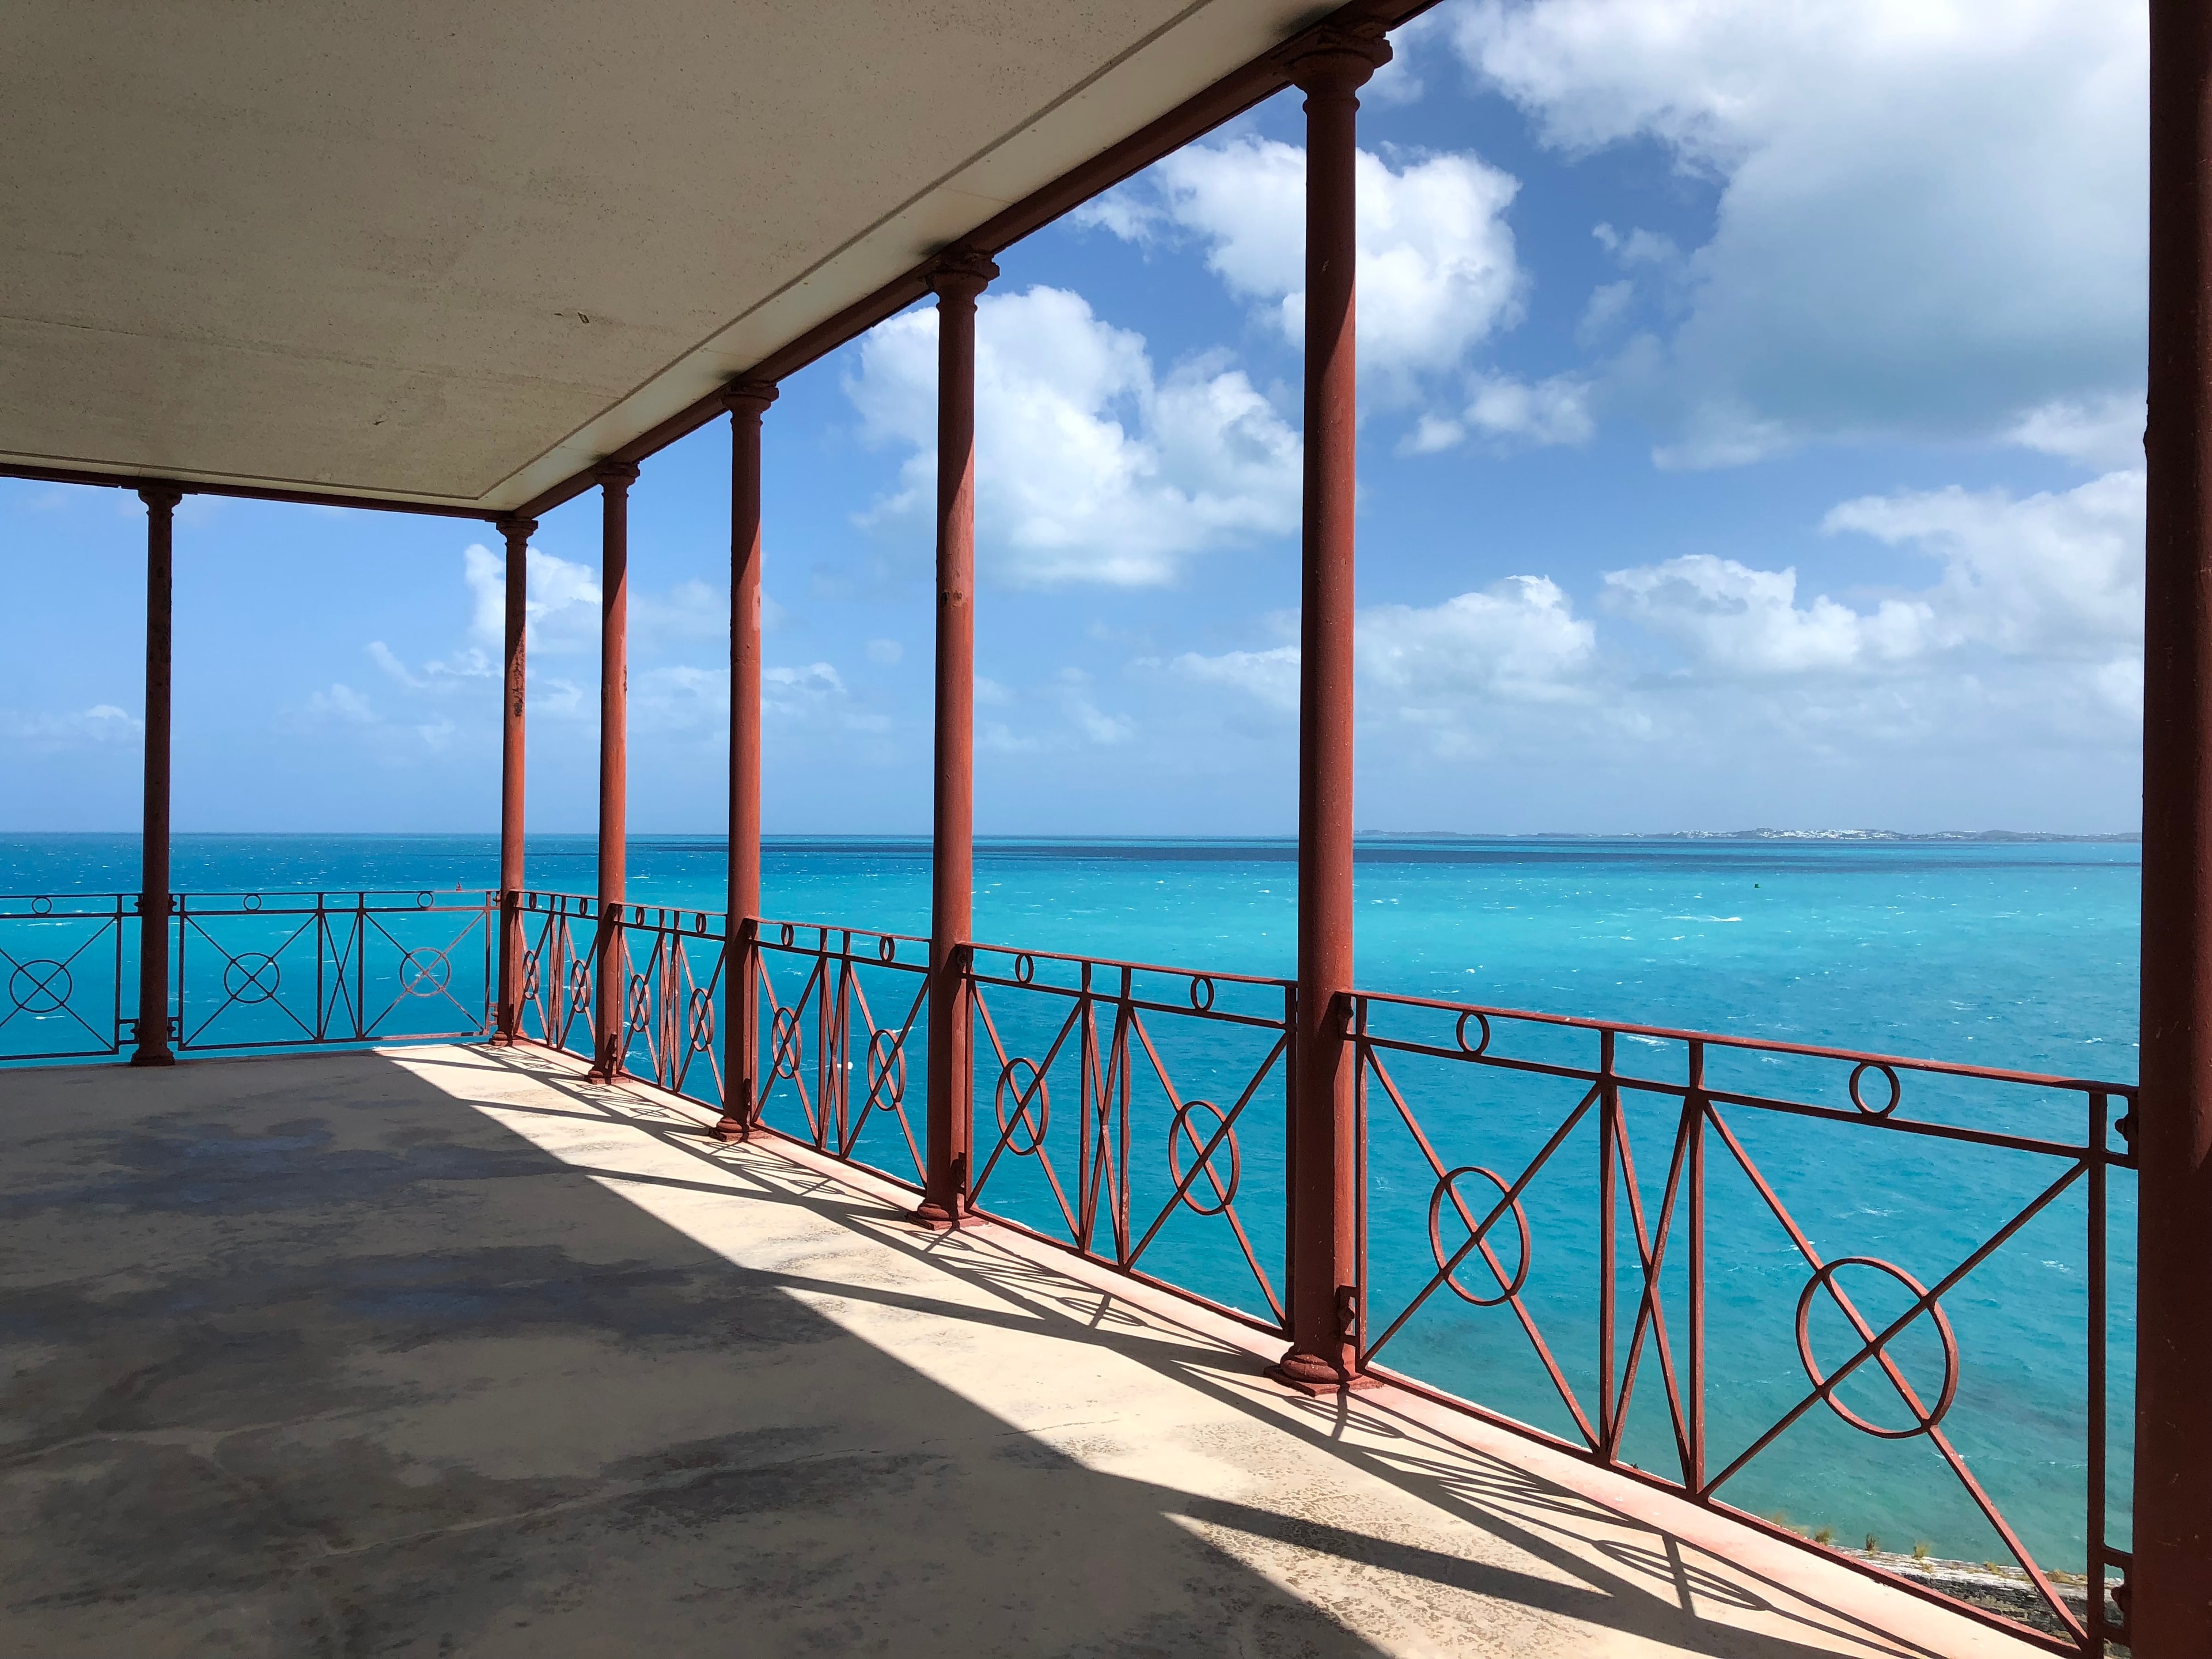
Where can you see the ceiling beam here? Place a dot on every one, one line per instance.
(243, 492)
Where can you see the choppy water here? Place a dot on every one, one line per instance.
(2011, 955)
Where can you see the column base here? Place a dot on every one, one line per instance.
(1310, 1374)
(153, 1057)
(605, 1074)
(731, 1130)
(935, 1217)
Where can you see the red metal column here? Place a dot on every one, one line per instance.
(153, 1048)
(748, 401)
(609, 971)
(1324, 1244)
(2171, 1581)
(959, 280)
(518, 532)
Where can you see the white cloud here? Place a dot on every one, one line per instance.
(1518, 641)
(692, 610)
(464, 669)
(885, 652)
(1270, 677)
(2025, 639)
(1080, 708)
(2103, 433)
(1930, 218)
(2050, 579)
(2055, 576)
(563, 609)
(44, 732)
(1438, 270)
(1089, 469)
(1733, 619)
(815, 693)
(485, 573)
(342, 703)
(1061, 715)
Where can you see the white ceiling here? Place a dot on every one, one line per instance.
(452, 254)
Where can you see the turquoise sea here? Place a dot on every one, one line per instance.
(2020, 955)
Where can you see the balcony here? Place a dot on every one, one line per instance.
(444, 1348)
(457, 1289)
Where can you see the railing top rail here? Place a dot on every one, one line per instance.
(827, 928)
(286, 900)
(1711, 1039)
(1138, 967)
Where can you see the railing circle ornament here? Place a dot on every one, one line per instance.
(528, 975)
(886, 949)
(1921, 1421)
(1459, 1033)
(42, 907)
(424, 971)
(785, 933)
(703, 1020)
(886, 1071)
(251, 901)
(1182, 1132)
(641, 1002)
(1896, 1088)
(40, 986)
(1448, 1187)
(1025, 968)
(1038, 1092)
(424, 900)
(253, 977)
(786, 1046)
(1201, 993)
(580, 986)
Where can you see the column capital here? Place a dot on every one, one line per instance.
(749, 398)
(615, 475)
(160, 497)
(961, 273)
(1335, 60)
(515, 527)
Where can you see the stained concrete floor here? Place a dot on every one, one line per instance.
(445, 1352)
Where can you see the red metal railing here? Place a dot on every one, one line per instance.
(672, 963)
(248, 970)
(1703, 1116)
(61, 959)
(254, 971)
(1143, 1158)
(1139, 1114)
(1140, 1160)
(813, 986)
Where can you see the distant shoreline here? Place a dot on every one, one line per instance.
(2130, 837)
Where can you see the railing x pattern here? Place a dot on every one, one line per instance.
(1147, 1153)
(813, 983)
(673, 961)
(256, 971)
(1482, 1245)
(62, 961)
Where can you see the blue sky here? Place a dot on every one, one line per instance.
(1752, 403)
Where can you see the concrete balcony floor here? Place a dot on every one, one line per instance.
(442, 1350)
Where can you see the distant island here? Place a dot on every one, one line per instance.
(1753, 834)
